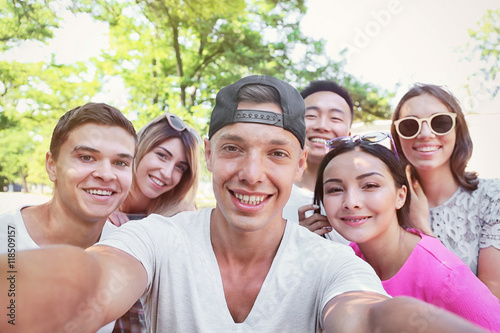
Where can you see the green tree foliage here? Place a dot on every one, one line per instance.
(171, 55)
(25, 20)
(33, 95)
(370, 102)
(485, 45)
(177, 54)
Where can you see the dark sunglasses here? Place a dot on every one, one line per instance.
(179, 125)
(439, 124)
(370, 138)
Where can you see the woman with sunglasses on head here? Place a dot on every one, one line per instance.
(364, 190)
(165, 170)
(431, 134)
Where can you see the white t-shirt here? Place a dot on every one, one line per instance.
(185, 291)
(300, 197)
(13, 221)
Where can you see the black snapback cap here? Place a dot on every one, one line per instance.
(226, 110)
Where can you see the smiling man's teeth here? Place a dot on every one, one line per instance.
(320, 140)
(250, 199)
(157, 181)
(99, 192)
(426, 149)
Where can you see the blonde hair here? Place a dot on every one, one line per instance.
(182, 196)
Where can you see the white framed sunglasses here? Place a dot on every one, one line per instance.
(370, 138)
(439, 124)
(179, 125)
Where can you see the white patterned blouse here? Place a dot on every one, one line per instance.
(469, 221)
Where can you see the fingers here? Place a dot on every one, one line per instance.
(324, 230)
(114, 219)
(409, 178)
(419, 207)
(306, 208)
(123, 219)
(317, 223)
(408, 173)
(118, 218)
(415, 188)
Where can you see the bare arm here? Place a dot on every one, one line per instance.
(488, 269)
(370, 312)
(62, 288)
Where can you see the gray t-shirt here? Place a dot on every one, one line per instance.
(185, 292)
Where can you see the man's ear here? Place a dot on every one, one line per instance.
(50, 166)
(208, 154)
(302, 163)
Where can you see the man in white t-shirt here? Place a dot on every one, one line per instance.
(90, 163)
(239, 267)
(329, 114)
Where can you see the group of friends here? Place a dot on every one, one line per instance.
(314, 229)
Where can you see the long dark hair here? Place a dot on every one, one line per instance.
(395, 167)
(463, 143)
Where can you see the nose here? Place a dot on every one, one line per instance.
(351, 200)
(105, 171)
(321, 123)
(167, 170)
(252, 170)
(425, 130)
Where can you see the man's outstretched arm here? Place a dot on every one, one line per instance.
(370, 312)
(67, 289)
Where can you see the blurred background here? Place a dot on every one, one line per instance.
(147, 57)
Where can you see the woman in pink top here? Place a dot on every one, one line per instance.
(364, 190)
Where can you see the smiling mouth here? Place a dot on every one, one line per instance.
(157, 181)
(104, 193)
(318, 140)
(357, 220)
(249, 199)
(427, 149)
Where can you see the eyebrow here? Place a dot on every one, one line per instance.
(166, 151)
(316, 108)
(238, 138)
(231, 137)
(365, 175)
(171, 155)
(96, 151)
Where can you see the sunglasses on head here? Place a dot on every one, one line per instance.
(179, 125)
(370, 138)
(439, 124)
